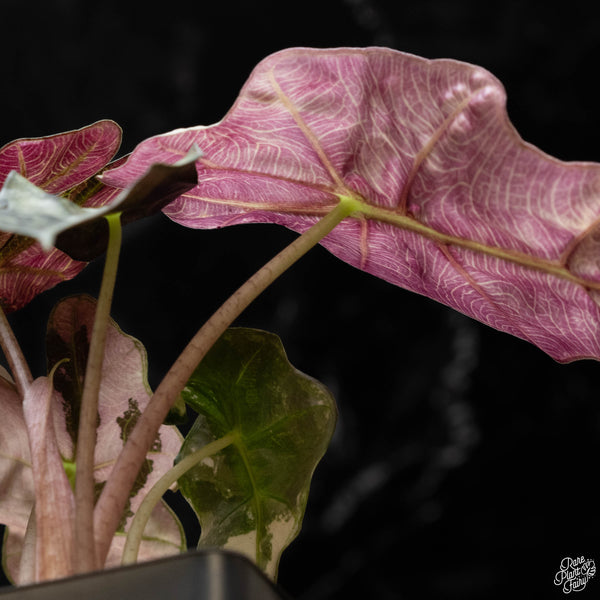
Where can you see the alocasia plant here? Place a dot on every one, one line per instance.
(404, 167)
(450, 201)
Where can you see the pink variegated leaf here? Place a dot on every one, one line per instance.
(58, 164)
(124, 393)
(451, 202)
(54, 500)
(38, 439)
(16, 478)
(81, 231)
(29, 271)
(31, 210)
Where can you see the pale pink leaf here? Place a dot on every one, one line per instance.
(124, 393)
(54, 501)
(454, 204)
(16, 478)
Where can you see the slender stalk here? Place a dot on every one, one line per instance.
(84, 550)
(111, 503)
(136, 530)
(16, 361)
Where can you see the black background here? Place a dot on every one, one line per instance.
(465, 461)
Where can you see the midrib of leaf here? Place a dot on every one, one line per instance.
(15, 245)
(396, 217)
(240, 443)
(408, 223)
(240, 446)
(15, 459)
(520, 258)
(31, 271)
(307, 132)
(72, 166)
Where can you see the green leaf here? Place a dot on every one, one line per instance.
(251, 496)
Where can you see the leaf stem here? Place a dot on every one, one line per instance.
(14, 355)
(143, 513)
(114, 496)
(84, 552)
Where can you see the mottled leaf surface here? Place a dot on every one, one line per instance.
(38, 440)
(124, 393)
(251, 496)
(454, 204)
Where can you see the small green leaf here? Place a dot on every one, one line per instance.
(251, 496)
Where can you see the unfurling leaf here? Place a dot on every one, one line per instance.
(251, 496)
(52, 192)
(28, 210)
(453, 203)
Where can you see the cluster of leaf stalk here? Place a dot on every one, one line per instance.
(95, 522)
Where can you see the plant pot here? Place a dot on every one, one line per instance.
(210, 575)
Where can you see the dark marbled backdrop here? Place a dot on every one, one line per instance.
(465, 461)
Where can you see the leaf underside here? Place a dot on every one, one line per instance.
(73, 221)
(251, 496)
(454, 204)
(59, 165)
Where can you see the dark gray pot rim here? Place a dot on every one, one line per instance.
(207, 574)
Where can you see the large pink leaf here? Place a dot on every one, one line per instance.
(454, 204)
(58, 164)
